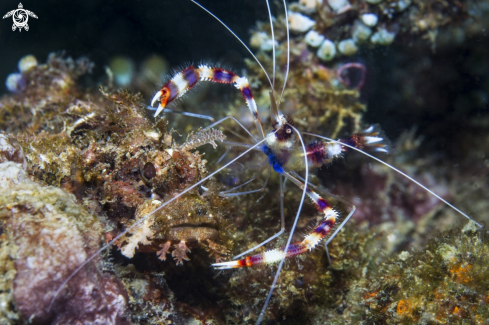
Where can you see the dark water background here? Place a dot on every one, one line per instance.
(178, 30)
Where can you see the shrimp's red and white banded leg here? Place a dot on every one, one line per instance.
(189, 77)
(309, 242)
(350, 214)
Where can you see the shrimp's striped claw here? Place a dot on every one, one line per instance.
(276, 255)
(189, 77)
(371, 138)
(323, 152)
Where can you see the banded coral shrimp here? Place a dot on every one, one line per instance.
(293, 130)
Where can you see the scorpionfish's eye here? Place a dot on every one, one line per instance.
(288, 130)
(149, 170)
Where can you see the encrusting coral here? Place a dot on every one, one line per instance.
(47, 235)
(444, 283)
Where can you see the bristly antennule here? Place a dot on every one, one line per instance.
(209, 136)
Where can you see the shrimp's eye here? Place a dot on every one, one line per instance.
(289, 131)
(149, 170)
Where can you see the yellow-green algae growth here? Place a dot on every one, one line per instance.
(446, 282)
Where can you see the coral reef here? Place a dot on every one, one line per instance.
(446, 282)
(120, 166)
(116, 161)
(355, 24)
(42, 92)
(47, 235)
(86, 164)
(341, 29)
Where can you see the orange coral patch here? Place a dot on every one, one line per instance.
(369, 295)
(404, 307)
(439, 295)
(461, 273)
(457, 311)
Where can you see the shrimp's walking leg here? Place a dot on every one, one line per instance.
(350, 214)
(189, 77)
(229, 193)
(309, 242)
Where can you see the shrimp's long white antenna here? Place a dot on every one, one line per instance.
(145, 218)
(400, 172)
(262, 313)
(288, 54)
(229, 29)
(273, 44)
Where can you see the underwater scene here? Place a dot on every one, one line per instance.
(244, 162)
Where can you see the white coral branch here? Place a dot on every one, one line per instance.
(195, 140)
(140, 235)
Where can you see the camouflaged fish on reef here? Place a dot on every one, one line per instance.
(121, 165)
